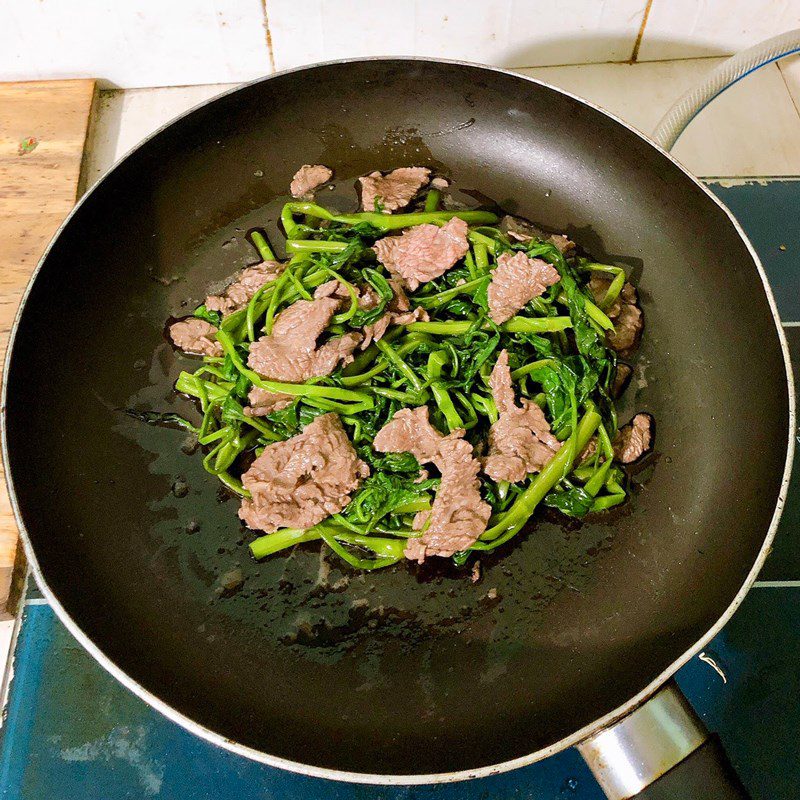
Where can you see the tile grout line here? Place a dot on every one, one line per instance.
(638, 43)
(268, 36)
(615, 62)
(788, 90)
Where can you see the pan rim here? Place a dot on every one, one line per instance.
(400, 779)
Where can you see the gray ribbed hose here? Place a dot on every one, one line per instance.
(718, 80)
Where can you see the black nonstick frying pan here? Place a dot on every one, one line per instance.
(403, 675)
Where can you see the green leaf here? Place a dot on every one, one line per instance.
(380, 494)
(214, 317)
(574, 502)
(385, 293)
(166, 419)
(285, 421)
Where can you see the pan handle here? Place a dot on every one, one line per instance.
(662, 751)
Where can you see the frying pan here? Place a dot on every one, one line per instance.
(407, 675)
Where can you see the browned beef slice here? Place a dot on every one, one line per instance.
(621, 378)
(300, 482)
(521, 230)
(624, 313)
(398, 313)
(458, 516)
(393, 190)
(634, 439)
(423, 252)
(516, 280)
(263, 402)
(376, 330)
(332, 288)
(238, 293)
(627, 329)
(520, 441)
(563, 243)
(367, 296)
(308, 178)
(410, 431)
(195, 336)
(290, 353)
(631, 442)
(589, 450)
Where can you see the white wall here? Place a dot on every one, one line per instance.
(180, 42)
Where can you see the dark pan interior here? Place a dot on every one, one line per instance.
(409, 670)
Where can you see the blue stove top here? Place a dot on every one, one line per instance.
(71, 731)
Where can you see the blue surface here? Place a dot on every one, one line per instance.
(72, 732)
(784, 561)
(767, 211)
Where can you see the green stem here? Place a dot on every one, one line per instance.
(436, 363)
(412, 398)
(486, 406)
(364, 377)
(314, 246)
(280, 540)
(478, 238)
(352, 291)
(262, 245)
(370, 543)
(445, 404)
(196, 387)
(339, 408)
(594, 313)
(442, 298)
(532, 367)
(432, 200)
(298, 286)
(612, 293)
(274, 300)
(413, 506)
(251, 310)
(537, 324)
(514, 325)
(470, 262)
(234, 484)
(513, 520)
(401, 365)
(262, 428)
(383, 222)
(598, 316)
(294, 389)
(595, 483)
(481, 255)
(607, 501)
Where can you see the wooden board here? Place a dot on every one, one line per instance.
(44, 128)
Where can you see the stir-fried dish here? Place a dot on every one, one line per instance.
(410, 381)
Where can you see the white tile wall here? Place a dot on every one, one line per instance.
(751, 129)
(790, 69)
(177, 42)
(146, 43)
(505, 32)
(686, 28)
(124, 118)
